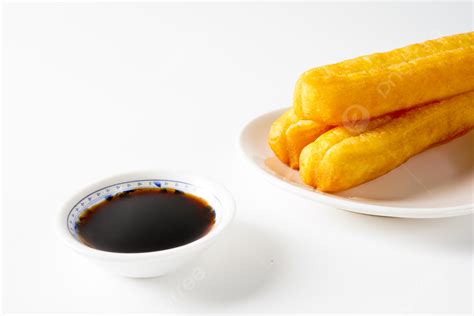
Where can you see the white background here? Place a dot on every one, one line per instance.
(92, 90)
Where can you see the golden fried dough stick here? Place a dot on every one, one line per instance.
(385, 82)
(355, 160)
(289, 135)
(277, 134)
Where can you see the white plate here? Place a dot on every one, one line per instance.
(436, 183)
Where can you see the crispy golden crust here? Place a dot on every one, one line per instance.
(289, 135)
(385, 82)
(277, 135)
(300, 134)
(345, 163)
(314, 152)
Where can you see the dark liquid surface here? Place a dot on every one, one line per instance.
(145, 220)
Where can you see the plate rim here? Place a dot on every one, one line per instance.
(343, 203)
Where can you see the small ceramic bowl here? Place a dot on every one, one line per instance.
(147, 264)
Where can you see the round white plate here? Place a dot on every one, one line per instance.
(436, 183)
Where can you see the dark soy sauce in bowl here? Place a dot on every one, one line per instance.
(145, 220)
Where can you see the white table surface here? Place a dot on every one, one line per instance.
(93, 90)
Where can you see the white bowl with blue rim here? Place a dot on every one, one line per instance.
(146, 264)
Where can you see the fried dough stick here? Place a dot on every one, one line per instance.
(385, 82)
(333, 163)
